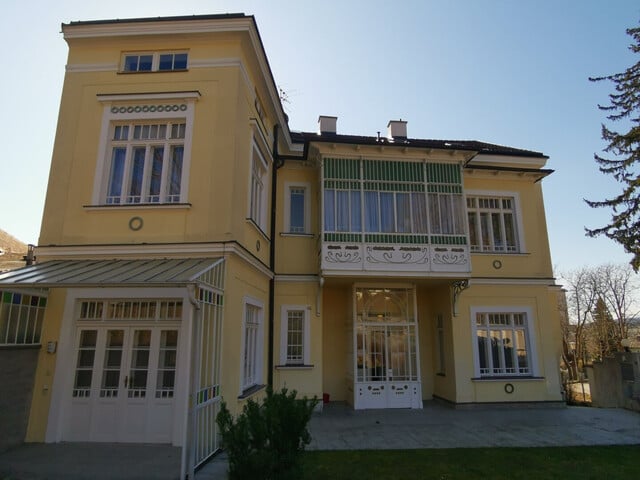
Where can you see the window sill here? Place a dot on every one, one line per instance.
(294, 367)
(511, 378)
(509, 254)
(123, 72)
(293, 234)
(20, 346)
(251, 391)
(258, 228)
(139, 206)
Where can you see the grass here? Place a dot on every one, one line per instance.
(566, 463)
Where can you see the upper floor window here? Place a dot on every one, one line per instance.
(154, 61)
(258, 189)
(492, 224)
(144, 149)
(146, 162)
(297, 208)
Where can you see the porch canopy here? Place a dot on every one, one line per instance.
(102, 273)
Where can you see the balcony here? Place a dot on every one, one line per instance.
(401, 258)
(404, 218)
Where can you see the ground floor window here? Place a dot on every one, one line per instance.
(252, 345)
(21, 316)
(503, 343)
(295, 335)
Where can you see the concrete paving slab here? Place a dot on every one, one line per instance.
(339, 427)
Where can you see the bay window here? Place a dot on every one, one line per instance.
(376, 199)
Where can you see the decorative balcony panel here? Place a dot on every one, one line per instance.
(397, 216)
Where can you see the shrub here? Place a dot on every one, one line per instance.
(266, 440)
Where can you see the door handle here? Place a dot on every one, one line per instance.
(126, 381)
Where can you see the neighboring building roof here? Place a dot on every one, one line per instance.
(12, 252)
(469, 145)
(100, 273)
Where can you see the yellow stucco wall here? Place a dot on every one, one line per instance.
(336, 312)
(220, 151)
(44, 377)
(307, 381)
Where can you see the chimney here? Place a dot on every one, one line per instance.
(327, 124)
(397, 129)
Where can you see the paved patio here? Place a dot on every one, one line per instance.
(340, 428)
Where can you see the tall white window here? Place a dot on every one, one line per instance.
(252, 346)
(258, 198)
(503, 343)
(492, 224)
(295, 336)
(146, 162)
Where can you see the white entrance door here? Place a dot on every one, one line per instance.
(124, 384)
(387, 363)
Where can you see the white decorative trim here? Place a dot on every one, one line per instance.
(129, 97)
(549, 282)
(297, 278)
(484, 159)
(224, 63)
(91, 67)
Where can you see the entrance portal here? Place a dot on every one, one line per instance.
(387, 373)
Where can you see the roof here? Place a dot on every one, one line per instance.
(102, 273)
(470, 145)
(178, 18)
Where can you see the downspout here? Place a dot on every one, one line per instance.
(277, 163)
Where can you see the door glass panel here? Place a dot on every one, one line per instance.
(84, 365)
(167, 364)
(377, 360)
(138, 373)
(112, 363)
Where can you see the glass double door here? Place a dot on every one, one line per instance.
(124, 382)
(387, 361)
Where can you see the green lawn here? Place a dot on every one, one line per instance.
(566, 463)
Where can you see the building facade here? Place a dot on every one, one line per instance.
(194, 249)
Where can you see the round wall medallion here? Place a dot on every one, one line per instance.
(497, 264)
(135, 223)
(258, 245)
(509, 388)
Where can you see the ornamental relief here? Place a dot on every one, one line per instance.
(402, 255)
(148, 108)
(444, 256)
(337, 254)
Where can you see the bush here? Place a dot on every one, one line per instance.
(266, 440)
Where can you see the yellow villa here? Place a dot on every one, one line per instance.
(193, 248)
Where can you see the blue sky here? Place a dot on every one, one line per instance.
(508, 72)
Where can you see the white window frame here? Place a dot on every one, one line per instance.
(530, 340)
(155, 60)
(306, 188)
(259, 182)
(251, 370)
(306, 333)
(120, 109)
(517, 211)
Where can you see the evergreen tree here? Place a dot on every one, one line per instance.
(623, 159)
